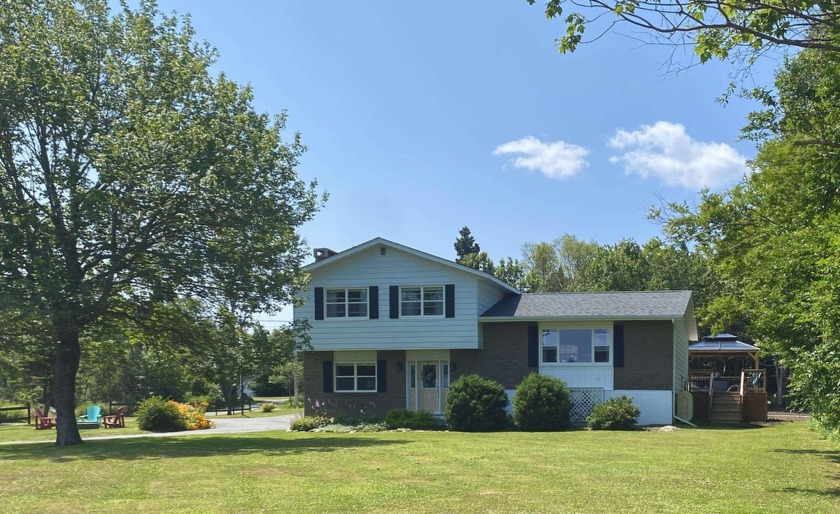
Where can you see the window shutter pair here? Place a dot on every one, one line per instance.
(534, 346)
(381, 377)
(448, 308)
(373, 303)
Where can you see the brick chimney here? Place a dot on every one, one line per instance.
(323, 253)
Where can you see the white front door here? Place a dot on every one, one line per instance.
(428, 383)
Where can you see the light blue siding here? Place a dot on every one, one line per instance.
(397, 268)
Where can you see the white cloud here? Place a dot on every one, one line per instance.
(554, 159)
(666, 151)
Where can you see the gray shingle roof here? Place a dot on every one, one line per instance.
(616, 304)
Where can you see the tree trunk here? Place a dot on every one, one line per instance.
(64, 388)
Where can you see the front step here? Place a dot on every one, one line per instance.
(726, 408)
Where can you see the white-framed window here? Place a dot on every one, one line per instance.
(346, 303)
(575, 345)
(421, 301)
(355, 377)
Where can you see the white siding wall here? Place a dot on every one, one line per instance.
(581, 376)
(395, 268)
(487, 296)
(680, 355)
(655, 407)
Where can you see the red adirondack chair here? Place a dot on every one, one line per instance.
(43, 422)
(116, 420)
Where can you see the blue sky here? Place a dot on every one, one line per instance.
(422, 117)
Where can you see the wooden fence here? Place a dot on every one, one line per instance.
(27, 407)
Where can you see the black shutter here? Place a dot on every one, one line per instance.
(328, 376)
(450, 300)
(381, 374)
(394, 301)
(533, 346)
(319, 303)
(373, 302)
(618, 346)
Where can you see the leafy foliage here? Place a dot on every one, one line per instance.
(159, 415)
(617, 413)
(716, 30)
(541, 404)
(774, 238)
(129, 175)
(415, 420)
(310, 423)
(475, 404)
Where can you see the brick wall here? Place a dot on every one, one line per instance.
(317, 402)
(504, 357)
(648, 356)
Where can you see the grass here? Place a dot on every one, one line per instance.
(784, 467)
(23, 432)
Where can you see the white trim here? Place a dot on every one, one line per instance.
(355, 376)
(347, 303)
(563, 319)
(381, 241)
(422, 302)
(577, 326)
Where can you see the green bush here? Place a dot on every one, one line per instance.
(415, 420)
(213, 399)
(159, 415)
(541, 404)
(309, 423)
(617, 413)
(267, 407)
(476, 404)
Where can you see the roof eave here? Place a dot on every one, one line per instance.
(434, 258)
(491, 319)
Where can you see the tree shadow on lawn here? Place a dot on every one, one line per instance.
(829, 455)
(178, 447)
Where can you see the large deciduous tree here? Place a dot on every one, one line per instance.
(130, 174)
(774, 237)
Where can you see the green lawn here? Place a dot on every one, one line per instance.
(780, 468)
(21, 432)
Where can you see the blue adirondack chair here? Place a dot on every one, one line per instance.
(92, 415)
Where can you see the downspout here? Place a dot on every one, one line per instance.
(684, 421)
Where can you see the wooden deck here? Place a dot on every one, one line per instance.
(729, 399)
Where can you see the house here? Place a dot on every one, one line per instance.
(392, 326)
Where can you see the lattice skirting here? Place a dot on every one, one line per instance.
(583, 401)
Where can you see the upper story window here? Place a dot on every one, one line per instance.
(575, 345)
(347, 303)
(421, 301)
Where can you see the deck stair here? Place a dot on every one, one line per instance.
(726, 407)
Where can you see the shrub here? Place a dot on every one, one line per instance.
(192, 415)
(541, 404)
(476, 404)
(342, 428)
(309, 423)
(617, 413)
(415, 420)
(159, 415)
(267, 407)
